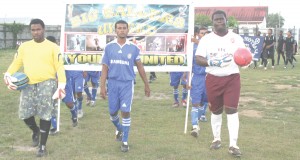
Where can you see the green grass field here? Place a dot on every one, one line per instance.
(269, 124)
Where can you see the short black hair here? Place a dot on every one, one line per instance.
(121, 22)
(270, 30)
(218, 12)
(37, 21)
(203, 28)
(51, 38)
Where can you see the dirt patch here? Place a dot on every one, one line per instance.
(159, 96)
(246, 99)
(283, 86)
(252, 113)
(290, 109)
(24, 148)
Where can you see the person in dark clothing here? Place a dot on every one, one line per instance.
(279, 49)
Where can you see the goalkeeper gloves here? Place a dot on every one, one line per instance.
(8, 79)
(220, 62)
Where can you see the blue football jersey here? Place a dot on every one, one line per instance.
(120, 60)
(197, 69)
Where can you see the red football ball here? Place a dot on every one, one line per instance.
(242, 57)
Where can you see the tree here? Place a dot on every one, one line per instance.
(232, 22)
(15, 29)
(203, 20)
(275, 20)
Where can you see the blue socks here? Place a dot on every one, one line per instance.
(53, 122)
(126, 127)
(176, 93)
(194, 115)
(87, 91)
(202, 110)
(115, 120)
(184, 93)
(79, 103)
(74, 111)
(94, 93)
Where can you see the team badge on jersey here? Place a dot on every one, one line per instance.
(129, 56)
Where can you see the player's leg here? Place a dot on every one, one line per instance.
(215, 89)
(272, 57)
(278, 56)
(283, 56)
(174, 82)
(87, 90)
(53, 130)
(265, 59)
(196, 99)
(79, 83)
(126, 97)
(114, 106)
(184, 88)
(69, 100)
(294, 58)
(95, 84)
(231, 100)
(27, 112)
(45, 108)
(203, 108)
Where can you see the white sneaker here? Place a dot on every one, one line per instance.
(260, 66)
(93, 103)
(273, 67)
(265, 68)
(195, 132)
(79, 113)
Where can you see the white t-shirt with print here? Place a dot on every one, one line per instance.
(213, 46)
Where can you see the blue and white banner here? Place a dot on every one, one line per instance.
(255, 45)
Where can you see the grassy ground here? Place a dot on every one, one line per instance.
(269, 124)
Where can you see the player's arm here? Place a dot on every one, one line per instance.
(103, 81)
(142, 73)
(201, 61)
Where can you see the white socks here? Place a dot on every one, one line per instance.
(233, 128)
(216, 123)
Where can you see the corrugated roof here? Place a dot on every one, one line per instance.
(242, 14)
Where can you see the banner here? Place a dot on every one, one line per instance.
(255, 44)
(161, 32)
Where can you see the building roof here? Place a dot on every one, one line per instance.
(248, 14)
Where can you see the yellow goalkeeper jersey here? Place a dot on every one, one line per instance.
(41, 61)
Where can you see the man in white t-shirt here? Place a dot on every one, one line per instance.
(223, 79)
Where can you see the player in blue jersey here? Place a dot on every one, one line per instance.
(118, 62)
(94, 77)
(73, 98)
(177, 78)
(198, 91)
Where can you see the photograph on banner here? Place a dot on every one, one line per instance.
(159, 30)
(255, 45)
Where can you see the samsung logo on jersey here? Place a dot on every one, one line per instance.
(119, 62)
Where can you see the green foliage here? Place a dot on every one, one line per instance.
(203, 20)
(232, 21)
(273, 20)
(15, 29)
(269, 123)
